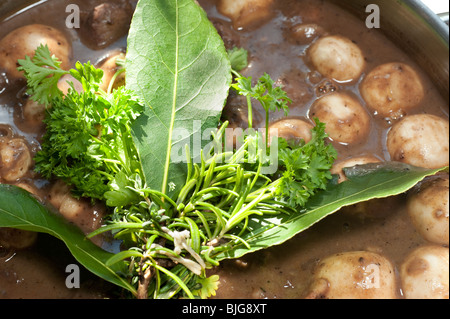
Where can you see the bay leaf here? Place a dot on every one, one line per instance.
(178, 66)
(365, 182)
(19, 209)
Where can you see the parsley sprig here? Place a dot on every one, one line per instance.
(88, 138)
(305, 168)
(42, 72)
(272, 97)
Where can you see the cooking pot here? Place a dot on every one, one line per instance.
(408, 23)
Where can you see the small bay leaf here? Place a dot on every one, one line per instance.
(365, 182)
(19, 209)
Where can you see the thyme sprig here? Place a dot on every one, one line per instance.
(209, 215)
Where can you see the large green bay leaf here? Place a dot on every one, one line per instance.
(19, 209)
(365, 182)
(178, 65)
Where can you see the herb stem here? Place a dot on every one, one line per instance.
(113, 80)
(176, 279)
(250, 112)
(267, 130)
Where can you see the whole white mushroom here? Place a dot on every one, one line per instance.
(246, 13)
(305, 33)
(15, 159)
(354, 275)
(421, 140)
(25, 40)
(33, 112)
(424, 273)
(291, 129)
(392, 90)
(68, 82)
(78, 211)
(110, 68)
(347, 122)
(16, 239)
(30, 188)
(337, 58)
(428, 207)
(338, 167)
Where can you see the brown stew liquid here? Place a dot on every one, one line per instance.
(285, 271)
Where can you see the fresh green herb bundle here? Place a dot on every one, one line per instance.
(88, 143)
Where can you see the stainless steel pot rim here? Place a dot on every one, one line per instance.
(437, 21)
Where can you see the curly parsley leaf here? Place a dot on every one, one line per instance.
(89, 76)
(42, 72)
(238, 58)
(88, 134)
(272, 97)
(305, 168)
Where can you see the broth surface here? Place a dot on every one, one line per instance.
(279, 272)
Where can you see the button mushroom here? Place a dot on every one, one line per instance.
(25, 40)
(15, 159)
(338, 167)
(33, 112)
(347, 122)
(80, 212)
(68, 82)
(106, 23)
(305, 33)
(246, 13)
(424, 273)
(293, 129)
(421, 140)
(12, 238)
(428, 207)
(111, 78)
(337, 58)
(354, 275)
(392, 90)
